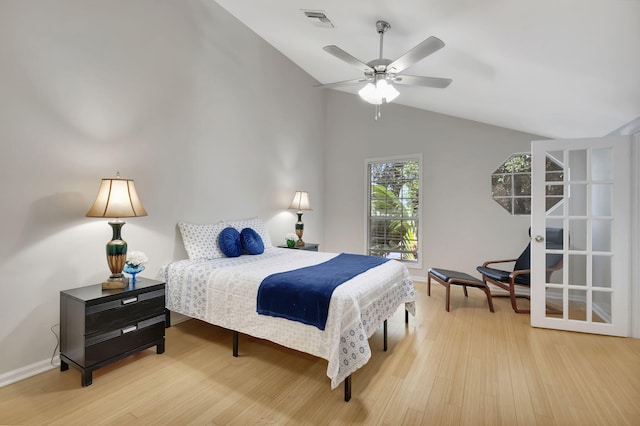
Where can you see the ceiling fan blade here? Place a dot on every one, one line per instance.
(341, 54)
(339, 83)
(422, 50)
(414, 80)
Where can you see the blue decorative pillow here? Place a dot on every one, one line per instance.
(251, 241)
(229, 242)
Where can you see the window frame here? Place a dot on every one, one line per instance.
(412, 264)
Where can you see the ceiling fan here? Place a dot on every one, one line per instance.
(380, 73)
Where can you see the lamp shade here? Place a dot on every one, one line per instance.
(378, 92)
(117, 198)
(300, 201)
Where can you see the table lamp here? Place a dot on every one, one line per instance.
(300, 202)
(117, 198)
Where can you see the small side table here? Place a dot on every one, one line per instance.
(98, 327)
(306, 246)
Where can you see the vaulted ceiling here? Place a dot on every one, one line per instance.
(555, 68)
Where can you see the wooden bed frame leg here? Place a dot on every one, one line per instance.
(235, 344)
(347, 388)
(385, 335)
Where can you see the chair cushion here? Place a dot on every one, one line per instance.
(502, 276)
(494, 274)
(524, 261)
(455, 277)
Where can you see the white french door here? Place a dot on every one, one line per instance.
(586, 193)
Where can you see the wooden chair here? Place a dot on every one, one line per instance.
(521, 273)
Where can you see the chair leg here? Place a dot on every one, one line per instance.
(489, 299)
(428, 284)
(514, 304)
(464, 287)
(448, 286)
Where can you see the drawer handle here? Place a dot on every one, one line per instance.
(131, 300)
(129, 329)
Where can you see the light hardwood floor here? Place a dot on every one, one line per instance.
(468, 366)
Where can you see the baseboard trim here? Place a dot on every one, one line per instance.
(177, 318)
(419, 279)
(27, 371)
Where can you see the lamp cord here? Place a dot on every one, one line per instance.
(57, 345)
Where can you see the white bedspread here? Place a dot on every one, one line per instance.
(224, 292)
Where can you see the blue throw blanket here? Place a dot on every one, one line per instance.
(304, 294)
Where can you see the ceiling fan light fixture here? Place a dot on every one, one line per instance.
(378, 93)
(386, 91)
(368, 94)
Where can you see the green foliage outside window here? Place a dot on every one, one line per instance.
(394, 209)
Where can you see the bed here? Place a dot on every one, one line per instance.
(223, 291)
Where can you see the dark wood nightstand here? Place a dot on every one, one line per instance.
(307, 246)
(98, 327)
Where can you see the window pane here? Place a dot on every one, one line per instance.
(602, 199)
(506, 203)
(501, 185)
(394, 209)
(522, 205)
(578, 165)
(602, 164)
(578, 305)
(577, 200)
(578, 269)
(601, 271)
(601, 235)
(554, 176)
(522, 185)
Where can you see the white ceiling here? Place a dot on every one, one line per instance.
(555, 68)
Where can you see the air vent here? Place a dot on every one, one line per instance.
(318, 18)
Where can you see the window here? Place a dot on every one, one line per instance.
(511, 184)
(393, 208)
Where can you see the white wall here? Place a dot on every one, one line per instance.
(209, 120)
(462, 225)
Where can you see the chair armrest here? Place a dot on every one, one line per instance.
(489, 262)
(514, 274)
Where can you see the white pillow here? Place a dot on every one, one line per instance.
(256, 224)
(201, 241)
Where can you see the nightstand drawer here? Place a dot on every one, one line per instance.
(107, 345)
(119, 313)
